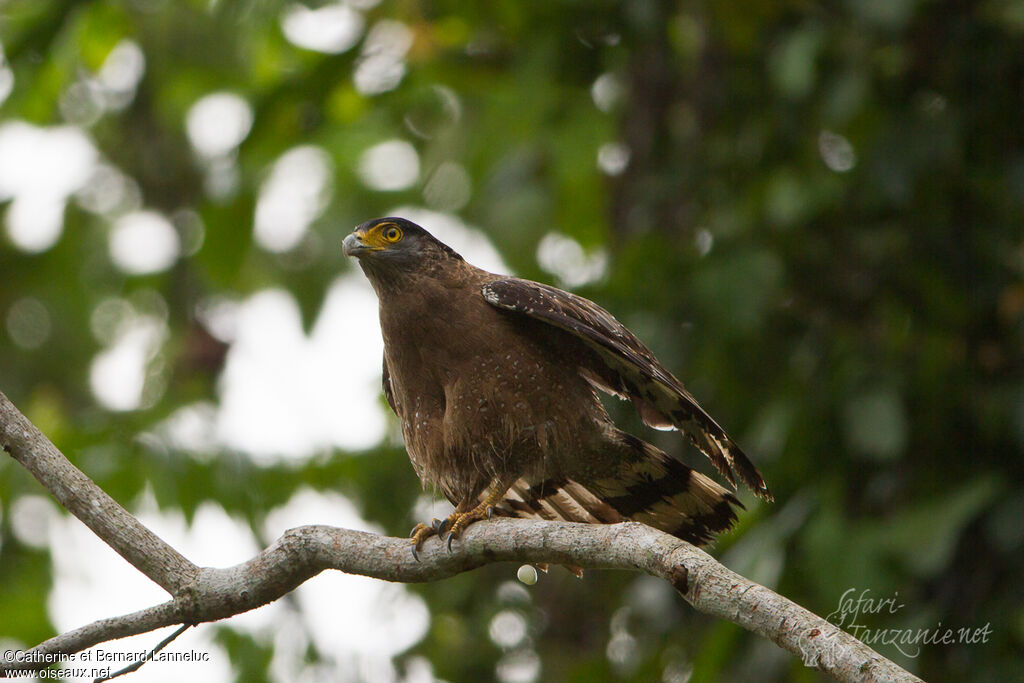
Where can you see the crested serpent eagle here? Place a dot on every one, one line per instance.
(495, 382)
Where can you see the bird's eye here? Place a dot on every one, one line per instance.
(392, 234)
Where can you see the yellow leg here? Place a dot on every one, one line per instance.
(460, 520)
(457, 521)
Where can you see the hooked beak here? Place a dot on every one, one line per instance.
(353, 245)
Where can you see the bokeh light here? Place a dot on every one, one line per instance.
(28, 323)
(508, 629)
(565, 258)
(293, 195)
(120, 74)
(381, 65)
(332, 28)
(144, 242)
(39, 169)
(118, 374)
(6, 77)
(217, 123)
(390, 166)
(288, 395)
(613, 158)
(449, 187)
(836, 151)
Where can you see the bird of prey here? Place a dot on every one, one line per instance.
(495, 381)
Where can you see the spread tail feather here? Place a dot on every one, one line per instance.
(649, 487)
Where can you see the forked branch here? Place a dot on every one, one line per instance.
(208, 594)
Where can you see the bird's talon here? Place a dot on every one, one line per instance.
(490, 511)
(451, 537)
(420, 533)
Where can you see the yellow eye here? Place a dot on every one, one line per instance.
(392, 233)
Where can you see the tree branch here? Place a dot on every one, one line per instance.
(213, 594)
(135, 666)
(143, 549)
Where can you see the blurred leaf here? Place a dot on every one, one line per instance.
(925, 536)
(876, 424)
(792, 64)
(745, 285)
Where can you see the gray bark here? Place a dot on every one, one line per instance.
(209, 594)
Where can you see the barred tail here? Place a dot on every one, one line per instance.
(648, 487)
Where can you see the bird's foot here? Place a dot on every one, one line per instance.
(458, 521)
(422, 532)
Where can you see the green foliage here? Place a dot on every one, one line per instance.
(818, 229)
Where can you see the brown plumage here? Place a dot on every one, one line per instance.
(494, 381)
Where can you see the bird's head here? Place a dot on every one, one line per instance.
(390, 246)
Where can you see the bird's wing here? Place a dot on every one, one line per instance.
(625, 367)
(385, 380)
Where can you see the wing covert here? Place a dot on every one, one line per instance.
(625, 367)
